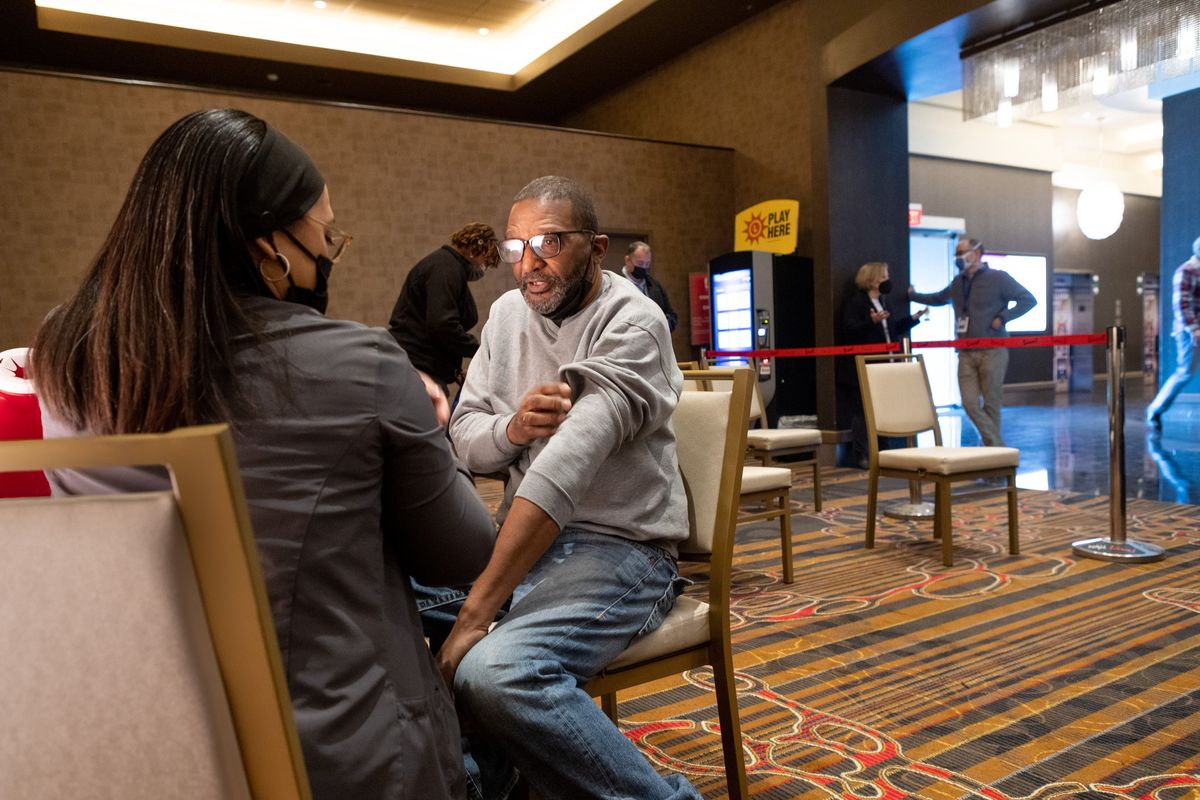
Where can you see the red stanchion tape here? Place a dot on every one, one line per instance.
(960, 344)
(835, 350)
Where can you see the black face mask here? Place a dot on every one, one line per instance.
(640, 273)
(475, 272)
(573, 300)
(960, 262)
(318, 297)
(885, 287)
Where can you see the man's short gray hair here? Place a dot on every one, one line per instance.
(551, 188)
(635, 246)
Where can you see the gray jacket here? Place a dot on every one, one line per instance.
(352, 488)
(982, 298)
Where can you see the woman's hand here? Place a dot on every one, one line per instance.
(441, 406)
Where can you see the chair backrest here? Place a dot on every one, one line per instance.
(896, 396)
(136, 642)
(691, 385)
(754, 415)
(711, 442)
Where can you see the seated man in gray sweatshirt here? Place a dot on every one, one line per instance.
(981, 298)
(571, 393)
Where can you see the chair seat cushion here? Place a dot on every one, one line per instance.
(949, 460)
(760, 479)
(783, 438)
(686, 626)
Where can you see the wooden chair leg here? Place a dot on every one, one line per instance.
(785, 534)
(816, 483)
(608, 704)
(941, 525)
(731, 725)
(1014, 545)
(872, 487)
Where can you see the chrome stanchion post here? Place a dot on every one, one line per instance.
(1116, 547)
(915, 508)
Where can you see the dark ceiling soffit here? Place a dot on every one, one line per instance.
(930, 63)
(647, 40)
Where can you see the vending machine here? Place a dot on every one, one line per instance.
(764, 301)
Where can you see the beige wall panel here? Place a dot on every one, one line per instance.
(399, 182)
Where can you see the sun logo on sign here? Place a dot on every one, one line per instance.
(754, 228)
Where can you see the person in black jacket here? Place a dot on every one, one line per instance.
(435, 311)
(637, 269)
(868, 319)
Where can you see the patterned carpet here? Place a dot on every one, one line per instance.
(882, 674)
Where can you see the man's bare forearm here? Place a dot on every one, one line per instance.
(525, 535)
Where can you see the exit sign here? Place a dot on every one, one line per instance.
(915, 215)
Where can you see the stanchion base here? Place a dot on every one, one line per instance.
(909, 511)
(1107, 550)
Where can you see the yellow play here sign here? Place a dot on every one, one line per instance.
(769, 225)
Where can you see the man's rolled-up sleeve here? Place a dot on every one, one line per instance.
(626, 387)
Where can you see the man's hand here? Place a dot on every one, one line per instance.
(455, 648)
(917, 316)
(441, 406)
(524, 537)
(997, 323)
(541, 411)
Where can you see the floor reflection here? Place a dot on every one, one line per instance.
(1063, 440)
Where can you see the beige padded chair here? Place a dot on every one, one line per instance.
(898, 402)
(136, 643)
(769, 487)
(768, 444)
(711, 443)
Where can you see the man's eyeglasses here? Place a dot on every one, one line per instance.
(336, 239)
(545, 245)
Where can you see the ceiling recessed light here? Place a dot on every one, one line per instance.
(484, 31)
(271, 76)
(319, 4)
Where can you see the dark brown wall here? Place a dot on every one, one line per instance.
(1008, 209)
(1117, 260)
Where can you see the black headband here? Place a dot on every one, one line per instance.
(281, 184)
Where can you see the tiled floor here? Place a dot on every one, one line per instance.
(1063, 440)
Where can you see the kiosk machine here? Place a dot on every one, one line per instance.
(763, 301)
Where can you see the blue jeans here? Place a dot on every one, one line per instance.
(1186, 357)
(580, 606)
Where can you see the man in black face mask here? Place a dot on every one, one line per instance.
(571, 394)
(984, 300)
(637, 269)
(435, 310)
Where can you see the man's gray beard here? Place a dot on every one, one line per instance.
(559, 287)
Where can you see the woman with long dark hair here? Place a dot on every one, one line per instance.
(206, 304)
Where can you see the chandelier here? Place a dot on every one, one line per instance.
(1111, 48)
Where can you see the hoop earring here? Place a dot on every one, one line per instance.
(282, 259)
